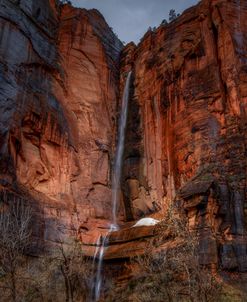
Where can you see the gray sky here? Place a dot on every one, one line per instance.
(130, 19)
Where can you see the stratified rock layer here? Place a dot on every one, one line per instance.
(186, 132)
(189, 99)
(58, 93)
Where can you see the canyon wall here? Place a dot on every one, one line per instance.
(58, 96)
(189, 104)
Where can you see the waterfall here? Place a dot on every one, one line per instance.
(117, 171)
(116, 178)
(98, 280)
(98, 246)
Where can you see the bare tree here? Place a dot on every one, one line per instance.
(15, 219)
(75, 269)
(62, 274)
(72, 270)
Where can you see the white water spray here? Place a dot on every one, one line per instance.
(116, 178)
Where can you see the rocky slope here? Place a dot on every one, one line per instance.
(60, 90)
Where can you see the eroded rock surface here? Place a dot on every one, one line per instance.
(60, 96)
(189, 108)
(59, 89)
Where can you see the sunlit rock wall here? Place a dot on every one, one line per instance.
(58, 93)
(189, 124)
(186, 133)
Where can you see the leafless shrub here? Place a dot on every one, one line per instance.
(61, 275)
(75, 268)
(15, 219)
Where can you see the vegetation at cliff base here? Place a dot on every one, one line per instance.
(170, 268)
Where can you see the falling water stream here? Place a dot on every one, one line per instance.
(98, 280)
(116, 178)
(117, 169)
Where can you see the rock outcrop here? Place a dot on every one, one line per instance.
(187, 135)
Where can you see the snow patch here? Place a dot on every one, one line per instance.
(146, 222)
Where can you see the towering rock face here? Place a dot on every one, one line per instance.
(90, 53)
(189, 108)
(58, 93)
(186, 134)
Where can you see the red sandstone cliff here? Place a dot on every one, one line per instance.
(186, 134)
(189, 106)
(59, 89)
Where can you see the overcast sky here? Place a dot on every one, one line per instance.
(130, 19)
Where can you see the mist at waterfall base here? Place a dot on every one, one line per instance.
(102, 242)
